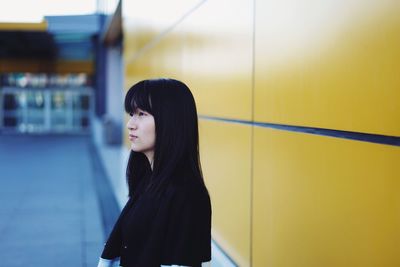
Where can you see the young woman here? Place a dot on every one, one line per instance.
(167, 219)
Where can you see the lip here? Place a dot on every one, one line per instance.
(132, 137)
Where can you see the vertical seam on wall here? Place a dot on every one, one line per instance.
(252, 132)
(153, 42)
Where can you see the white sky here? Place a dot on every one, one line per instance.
(34, 10)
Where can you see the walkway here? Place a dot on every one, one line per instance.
(49, 214)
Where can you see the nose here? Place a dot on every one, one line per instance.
(131, 124)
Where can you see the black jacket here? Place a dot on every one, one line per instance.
(174, 228)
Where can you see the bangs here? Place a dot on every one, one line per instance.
(138, 96)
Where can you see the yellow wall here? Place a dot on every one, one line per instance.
(284, 198)
(328, 65)
(322, 201)
(226, 161)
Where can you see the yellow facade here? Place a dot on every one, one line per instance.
(286, 198)
(328, 65)
(230, 192)
(323, 201)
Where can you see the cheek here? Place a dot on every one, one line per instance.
(151, 131)
(154, 134)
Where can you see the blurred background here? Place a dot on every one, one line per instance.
(299, 114)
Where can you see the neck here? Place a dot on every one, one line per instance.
(150, 157)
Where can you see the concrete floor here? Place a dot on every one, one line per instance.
(49, 213)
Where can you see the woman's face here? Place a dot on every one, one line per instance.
(142, 133)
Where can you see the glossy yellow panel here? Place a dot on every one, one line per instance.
(225, 156)
(164, 60)
(145, 22)
(218, 57)
(329, 64)
(324, 201)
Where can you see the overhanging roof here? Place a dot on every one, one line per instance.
(27, 44)
(50, 45)
(18, 26)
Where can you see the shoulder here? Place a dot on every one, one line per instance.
(187, 190)
(194, 195)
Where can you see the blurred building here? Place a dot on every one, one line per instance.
(48, 75)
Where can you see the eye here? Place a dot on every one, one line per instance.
(131, 114)
(141, 113)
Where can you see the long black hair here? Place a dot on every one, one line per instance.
(176, 153)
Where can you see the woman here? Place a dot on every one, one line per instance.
(167, 219)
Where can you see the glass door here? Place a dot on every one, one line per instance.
(46, 110)
(33, 113)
